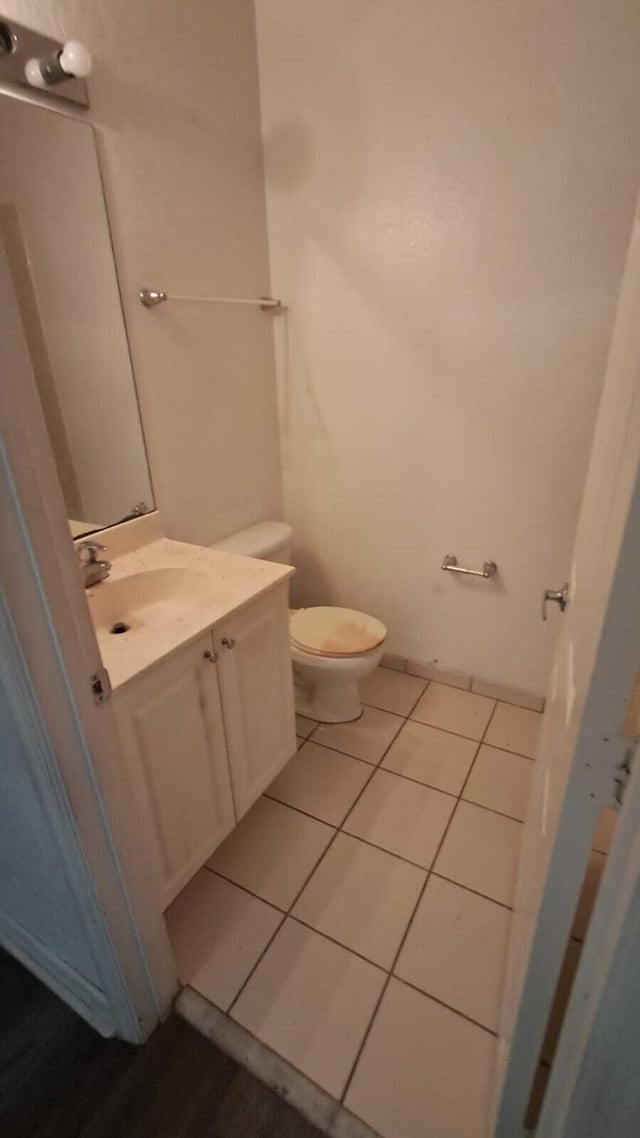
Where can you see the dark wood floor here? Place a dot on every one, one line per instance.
(59, 1079)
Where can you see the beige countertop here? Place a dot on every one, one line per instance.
(167, 609)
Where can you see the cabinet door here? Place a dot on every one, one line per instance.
(170, 722)
(256, 684)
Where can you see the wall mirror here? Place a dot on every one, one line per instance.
(54, 227)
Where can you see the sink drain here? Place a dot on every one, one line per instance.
(119, 627)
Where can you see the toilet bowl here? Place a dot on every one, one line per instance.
(331, 648)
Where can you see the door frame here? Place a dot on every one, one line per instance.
(61, 653)
(593, 1088)
(605, 744)
(604, 737)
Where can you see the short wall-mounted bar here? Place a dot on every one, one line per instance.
(150, 297)
(450, 563)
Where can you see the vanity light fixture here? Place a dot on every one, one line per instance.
(33, 60)
(73, 61)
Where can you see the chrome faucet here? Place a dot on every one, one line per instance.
(91, 570)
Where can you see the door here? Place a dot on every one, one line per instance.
(256, 684)
(583, 746)
(58, 747)
(170, 723)
(49, 915)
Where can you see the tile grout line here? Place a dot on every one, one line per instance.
(403, 939)
(481, 742)
(286, 914)
(339, 829)
(444, 684)
(257, 962)
(423, 692)
(406, 778)
(244, 889)
(375, 767)
(284, 918)
(306, 881)
(390, 711)
(372, 964)
(339, 1111)
(299, 1070)
(492, 810)
(432, 872)
(388, 973)
(476, 892)
(369, 762)
(277, 1088)
(289, 911)
(443, 1004)
(354, 952)
(312, 732)
(299, 921)
(421, 723)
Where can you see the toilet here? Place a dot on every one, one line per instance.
(331, 648)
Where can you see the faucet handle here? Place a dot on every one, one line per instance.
(87, 551)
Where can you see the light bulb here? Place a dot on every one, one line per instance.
(34, 74)
(75, 59)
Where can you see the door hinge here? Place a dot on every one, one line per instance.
(100, 685)
(621, 775)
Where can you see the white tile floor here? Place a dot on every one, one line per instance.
(357, 919)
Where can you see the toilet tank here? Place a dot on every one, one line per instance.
(270, 541)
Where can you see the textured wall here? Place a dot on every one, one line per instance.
(174, 96)
(450, 189)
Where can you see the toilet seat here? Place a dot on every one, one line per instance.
(335, 632)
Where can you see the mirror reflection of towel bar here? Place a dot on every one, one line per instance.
(450, 562)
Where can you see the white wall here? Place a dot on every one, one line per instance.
(450, 189)
(174, 96)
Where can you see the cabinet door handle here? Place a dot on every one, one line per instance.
(228, 642)
(210, 656)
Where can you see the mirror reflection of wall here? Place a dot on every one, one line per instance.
(53, 224)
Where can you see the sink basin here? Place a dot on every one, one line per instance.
(147, 599)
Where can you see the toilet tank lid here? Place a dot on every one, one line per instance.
(256, 541)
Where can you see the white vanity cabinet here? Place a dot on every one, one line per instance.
(256, 686)
(170, 722)
(204, 731)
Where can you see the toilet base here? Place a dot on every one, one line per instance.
(327, 702)
(326, 687)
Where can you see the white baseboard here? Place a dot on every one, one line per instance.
(464, 680)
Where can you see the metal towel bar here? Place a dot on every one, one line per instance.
(150, 297)
(450, 563)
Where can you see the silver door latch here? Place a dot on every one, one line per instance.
(559, 596)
